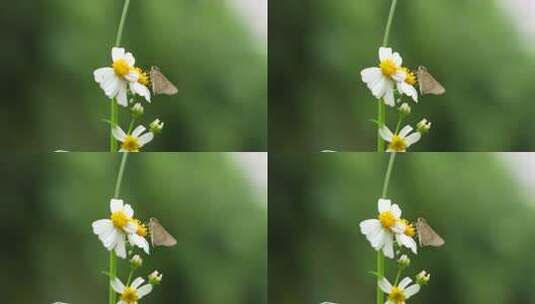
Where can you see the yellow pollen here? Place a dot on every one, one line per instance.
(398, 144)
(411, 78)
(130, 295)
(388, 67)
(143, 77)
(397, 295)
(121, 67)
(409, 228)
(387, 219)
(119, 219)
(131, 144)
(141, 228)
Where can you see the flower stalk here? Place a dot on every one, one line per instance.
(114, 109)
(113, 258)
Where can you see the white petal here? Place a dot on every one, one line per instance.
(139, 241)
(120, 248)
(406, 130)
(130, 227)
(370, 74)
(369, 226)
(399, 76)
(388, 248)
(386, 134)
(117, 285)
(111, 86)
(384, 53)
(408, 242)
(130, 59)
(137, 282)
(413, 138)
(379, 87)
(405, 282)
(111, 239)
(395, 210)
(408, 90)
(144, 290)
(103, 73)
(141, 90)
(121, 95)
(127, 209)
(117, 53)
(116, 204)
(132, 76)
(384, 204)
(412, 290)
(385, 285)
(138, 130)
(102, 226)
(119, 134)
(389, 94)
(377, 240)
(397, 59)
(146, 138)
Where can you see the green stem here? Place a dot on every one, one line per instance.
(398, 125)
(398, 275)
(388, 174)
(130, 277)
(381, 110)
(114, 110)
(113, 258)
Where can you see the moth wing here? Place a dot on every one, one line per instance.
(427, 236)
(159, 236)
(428, 83)
(160, 83)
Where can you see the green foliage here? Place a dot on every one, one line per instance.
(51, 253)
(318, 48)
(49, 57)
(317, 253)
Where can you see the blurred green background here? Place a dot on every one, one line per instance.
(317, 49)
(317, 253)
(50, 49)
(51, 254)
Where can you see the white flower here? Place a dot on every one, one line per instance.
(116, 79)
(380, 232)
(132, 142)
(381, 80)
(131, 294)
(399, 142)
(112, 232)
(398, 294)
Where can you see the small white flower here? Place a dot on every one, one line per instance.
(423, 126)
(132, 142)
(156, 126)
(423, 278)
(399, 142)
(381, 80)
(380, 232)
(116, 80)
(398, 294)
(112, 232)
(131, 294)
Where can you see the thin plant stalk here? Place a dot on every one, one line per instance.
(113, 258)
(114, 108)
(381, 109)
(381, 118)
(380, 255)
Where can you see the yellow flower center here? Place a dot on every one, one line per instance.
(410, 77)
(409, 228)
(387, 219)
(397, 295)
(130, 295)
(121, 67)
(119, 219)
(143, 77)
(398, 144)
(388, 67)
(131, 144)
(141, 228)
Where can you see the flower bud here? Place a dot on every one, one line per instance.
(136, 261)
(155, 278)
(404, 261)
(137, 110)
(404, 109)
(423, 278)
(156, 126)
(423, 126)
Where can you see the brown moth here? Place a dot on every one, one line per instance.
(428, 83)
(426, 235)
(160, 83)
(158, 235)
